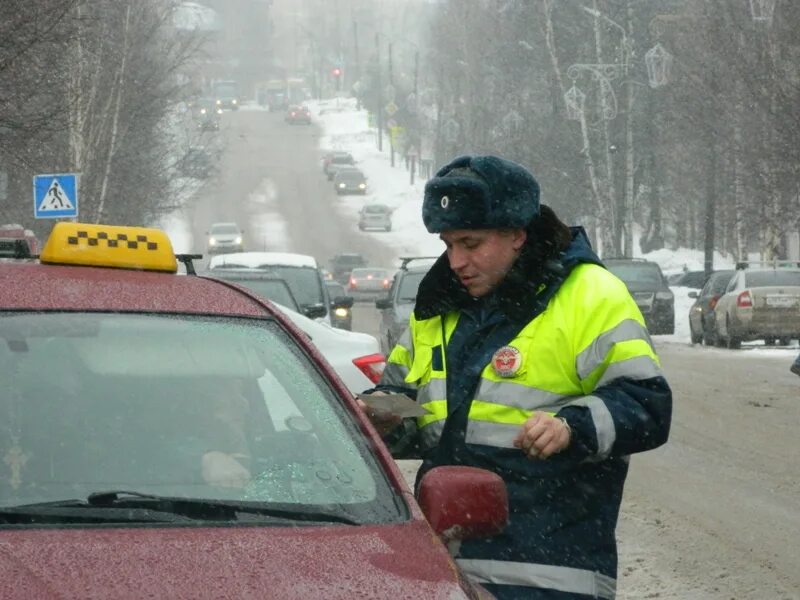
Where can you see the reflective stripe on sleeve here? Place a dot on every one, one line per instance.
(603, 423)
(551, 577)
(595, 353)
(639, 367)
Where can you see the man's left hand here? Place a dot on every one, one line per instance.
(542, 435)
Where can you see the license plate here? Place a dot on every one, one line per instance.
(781, 301)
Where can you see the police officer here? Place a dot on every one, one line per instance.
(534, 362)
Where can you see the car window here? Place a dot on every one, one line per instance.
(770, 278)
(373, 273)
(132, 402)
(719, 282)
(273, 290)
(409, 284)
(304, 282)
(373, 209)
(637, 273)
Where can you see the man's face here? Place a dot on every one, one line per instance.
(482, 257)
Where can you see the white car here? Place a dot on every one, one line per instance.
(356, 357)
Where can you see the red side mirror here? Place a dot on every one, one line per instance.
(464, 502)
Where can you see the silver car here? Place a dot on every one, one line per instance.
(375, 216)
(225, 237)
(760, 303)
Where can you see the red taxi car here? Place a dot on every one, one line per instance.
(174, 436)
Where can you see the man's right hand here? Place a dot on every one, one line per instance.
(383, 421)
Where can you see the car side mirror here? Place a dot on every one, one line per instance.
(343, 302)
(315, 311)
(463, 502)
(383, 303)
(693, 295)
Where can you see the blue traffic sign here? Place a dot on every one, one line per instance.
(55, 196)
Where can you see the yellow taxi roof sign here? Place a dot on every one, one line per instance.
(137, 248)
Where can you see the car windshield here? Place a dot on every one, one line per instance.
(409, 285)
(350, 175)
(225, 229)
(771, 278)
(376, 209)
(226, 89)
(636, 273)
(336, 289)
(133, 402)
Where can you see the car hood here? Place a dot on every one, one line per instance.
(225, 562)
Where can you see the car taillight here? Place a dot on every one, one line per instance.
(744, 300)
(352, 282)
(713, 302)
(386, 283)
(371, 365)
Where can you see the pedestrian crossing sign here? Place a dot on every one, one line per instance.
(55, 196)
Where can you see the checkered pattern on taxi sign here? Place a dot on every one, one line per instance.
(120, 240)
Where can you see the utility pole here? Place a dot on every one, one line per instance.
(379, 107)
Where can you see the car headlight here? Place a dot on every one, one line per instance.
(219, 102)
(664, 295)
(238, 240)
(219, 111)
(212, 241)
(340, 312)
(362, 186)
(341, 185)
(234, 101)
(202, 111)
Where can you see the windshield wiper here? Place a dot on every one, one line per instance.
(200, 508)
(78, 511)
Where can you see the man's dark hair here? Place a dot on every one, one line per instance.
(547, 238)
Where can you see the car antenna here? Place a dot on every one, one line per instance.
(187, 259)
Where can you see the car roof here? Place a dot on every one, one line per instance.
(255, 260)
(227, 224)
(34, 286)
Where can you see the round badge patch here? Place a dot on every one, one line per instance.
(445, 202)
(507, 361)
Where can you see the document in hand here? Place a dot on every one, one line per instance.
(396, 404)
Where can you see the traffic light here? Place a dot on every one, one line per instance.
(337, 75)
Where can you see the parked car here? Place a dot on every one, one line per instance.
(702, 319)
(336, 160)
(649, 289)
(691, 279)
(264, 283)
(375, 216)
(760, 303)
(300, 271)
(349, 181)
(368, 283)
(17, 242)
(342, 264)
(298, 115)
(342, 315)
(397, 305)
(188, 440)
(225, 237)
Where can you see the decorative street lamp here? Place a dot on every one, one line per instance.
(574, 99)
(604, 74)
(762, 10)
(659, 64)
(451, 131)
